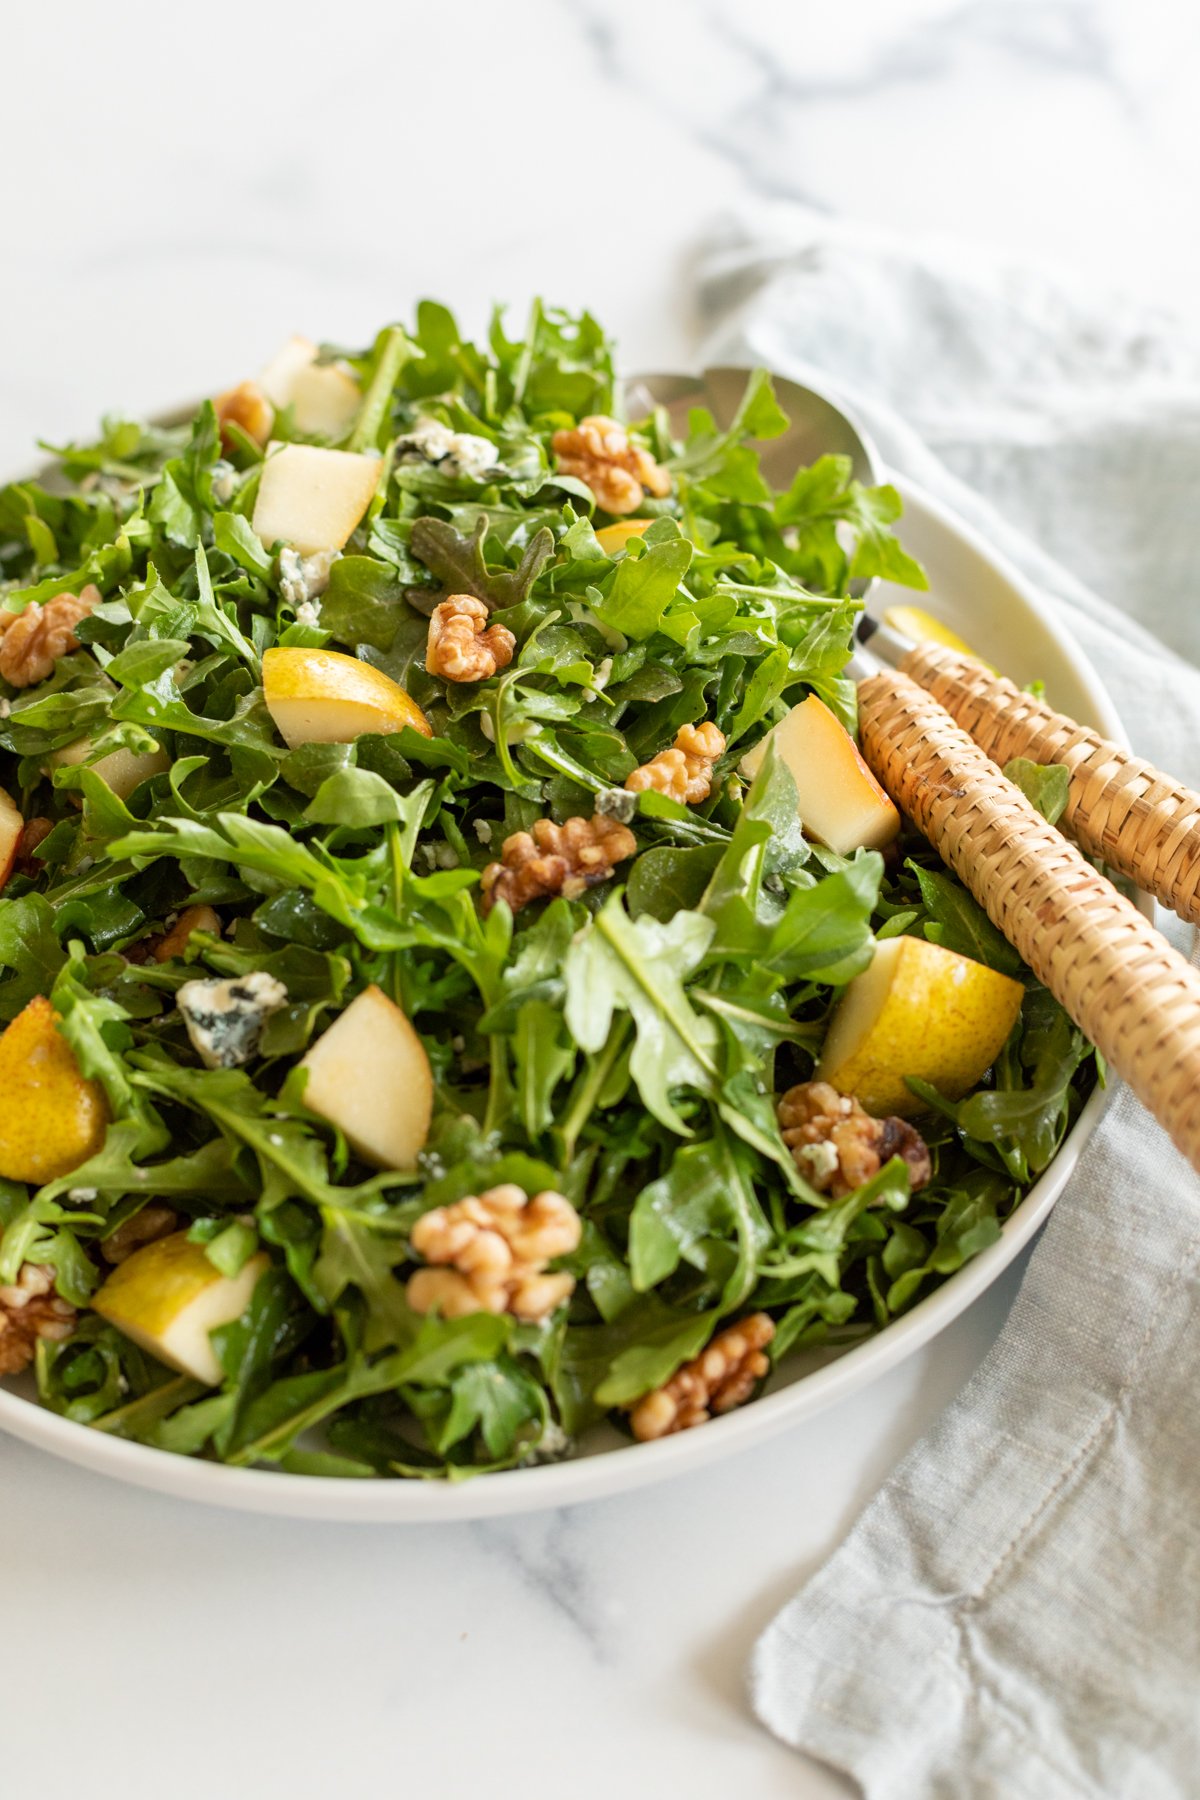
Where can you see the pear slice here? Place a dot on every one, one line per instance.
(312, 498)
(324, 397)
(612, 539)
(839, 800)
(122, 770)
(369, 1075)
(11, 827)
(52, 1117)
(326, 697)
(917, 1010)
(168, 1297)
(278, 379)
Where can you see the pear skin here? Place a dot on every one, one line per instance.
(52, 1118)
(326, 697)
(919, 1010)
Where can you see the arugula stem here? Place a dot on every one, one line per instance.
(396, 873)
(819, 602)
(525, 361)
(746, 1015)
(498, 1092)
(127, 1420)
(590, 1084)
(549, 751)
(395, 350)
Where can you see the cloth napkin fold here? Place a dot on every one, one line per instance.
(1017, 1613)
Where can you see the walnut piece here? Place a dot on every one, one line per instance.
(720, 1378)
(684, 772)
(599, 453)
(490, 1253)
(145, 1227)
(556, 859)
(32, 641)
(462, 645)
(174, 942)
(247, 407)
(29, 1310)
(837, 1145)
(35, 831)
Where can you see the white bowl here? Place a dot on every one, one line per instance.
(985, 599)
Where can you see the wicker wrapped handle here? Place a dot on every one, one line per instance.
(1122, 983)
(1139, 821)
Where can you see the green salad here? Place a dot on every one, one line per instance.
(427, 896)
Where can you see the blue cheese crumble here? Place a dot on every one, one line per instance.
(225, 1017)
(302, 579)
(223, 481)
(459, 454)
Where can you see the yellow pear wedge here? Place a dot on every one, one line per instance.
(612, 539)
(52, 1118)
(122, 770)
(312, 498)
(168, 1297)
(839, 800)
(917, 1010)
(326, 697)
(369, 1075)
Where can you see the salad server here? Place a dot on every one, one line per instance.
(1120, 980)
(1141, 822)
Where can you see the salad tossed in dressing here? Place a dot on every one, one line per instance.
(459, 981)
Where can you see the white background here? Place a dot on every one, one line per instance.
(182, 188)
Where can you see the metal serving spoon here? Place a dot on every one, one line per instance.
(817, 427)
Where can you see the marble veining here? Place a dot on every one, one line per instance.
(548, 1555)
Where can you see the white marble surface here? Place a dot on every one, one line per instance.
(184, 188)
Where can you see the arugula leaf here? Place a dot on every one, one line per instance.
(958, 922)
(458, 562)
(643, 588)
(824, 497)
(640, 964)
(1047, 786)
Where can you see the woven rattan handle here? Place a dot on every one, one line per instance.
(1122, 983)
(1141, 822)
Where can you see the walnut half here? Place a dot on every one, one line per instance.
(556, 859)
(32, 641)
(29, 1310)
(247, 407)
(720, 1378)
(175, 941)
(489, 1254)
(144, 1227)
(35, 832)
(600, 453)
(684, 772)
(837, 1145)
(462, 646)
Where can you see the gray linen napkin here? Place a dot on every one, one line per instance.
(1017, 1613)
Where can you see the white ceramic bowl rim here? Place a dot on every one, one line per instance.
(635, 1465)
